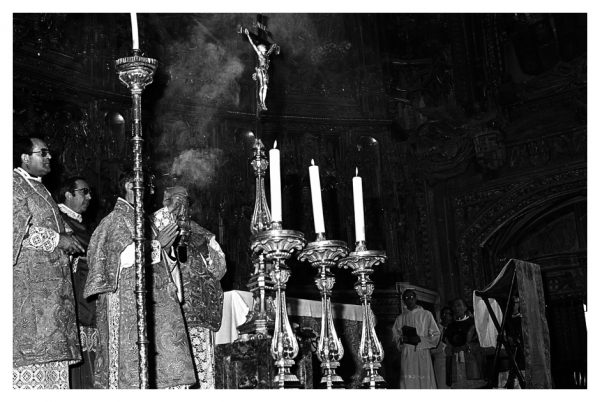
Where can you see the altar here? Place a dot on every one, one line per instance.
(247, 364)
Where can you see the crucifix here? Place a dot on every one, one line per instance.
(263, 49)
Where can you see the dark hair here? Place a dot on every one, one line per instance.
(68, 185)
(409, 290)
(127, 177)
(22, 145)
(446, 308)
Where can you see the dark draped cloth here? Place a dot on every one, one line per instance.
(170, 360)
(44, 325)
(535, 336)
(81, 375)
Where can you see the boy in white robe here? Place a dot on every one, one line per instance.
(415, 333)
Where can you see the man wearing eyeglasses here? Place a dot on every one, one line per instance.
(45, 340)
(415, 332)
(74, 199)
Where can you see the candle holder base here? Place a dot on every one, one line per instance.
(261, 317)
(258, 323)
(290, 381)
(330, 379)
(377, 383)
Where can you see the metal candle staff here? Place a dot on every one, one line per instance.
(362, 261)
(260, 318)
(323, 254)
(277, 246)
(136, 73)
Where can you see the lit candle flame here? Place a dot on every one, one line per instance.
(312, 162)
(275, 144)
(356, 172)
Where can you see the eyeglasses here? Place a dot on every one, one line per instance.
(43, 152)
(408, 297)
(85, 190)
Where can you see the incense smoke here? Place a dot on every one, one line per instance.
(300, 39)
(196, 168)
(204, 60)
(204, 69)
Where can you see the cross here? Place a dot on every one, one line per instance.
(262, 34)
(263, 49)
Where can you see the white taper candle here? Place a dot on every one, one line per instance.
(359, 215)
(317, 203)
(275, 177)
(134, 32)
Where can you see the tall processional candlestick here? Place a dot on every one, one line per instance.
(136, 73)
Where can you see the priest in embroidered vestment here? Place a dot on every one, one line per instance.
(74, 197)
(111, 259)
(45, 338)
(197, 263)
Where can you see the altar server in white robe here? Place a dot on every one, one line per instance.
(415, 333)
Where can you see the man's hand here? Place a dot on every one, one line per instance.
(167, 236)
(69, 244)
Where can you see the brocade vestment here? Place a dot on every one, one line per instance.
(44, 325)
(82, 374)
(170, 360)
(203, 299)
(200, 275)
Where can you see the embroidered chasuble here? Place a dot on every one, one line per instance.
(202, 294)
(44, 323)
(203, 299)
(82, 374)
(112, 277)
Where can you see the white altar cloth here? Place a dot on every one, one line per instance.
(237, 303)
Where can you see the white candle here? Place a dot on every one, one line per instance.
(359, 215)
(134, 31)
(315, 191)
(275, 176)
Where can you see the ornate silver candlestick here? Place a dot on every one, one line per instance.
(260, 320)
(261, 217)
(362, 261)
(323, 254)
(277, 246)
(136, 73)
(261, 317)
